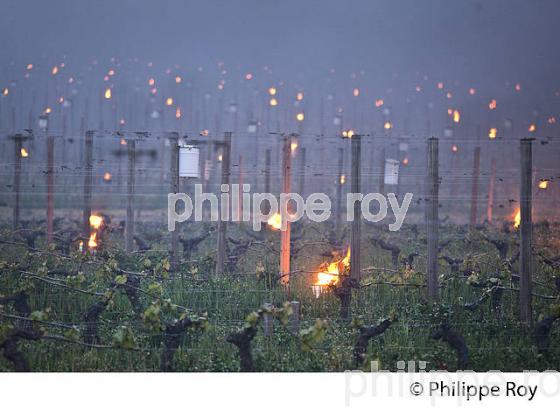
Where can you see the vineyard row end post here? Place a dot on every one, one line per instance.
(88, 182)
(525, 233)
(432, 217)
(284, 273)
(222, 225)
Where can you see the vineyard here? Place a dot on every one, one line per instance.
(109, 310)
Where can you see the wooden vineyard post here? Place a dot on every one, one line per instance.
(356, 187)
(474, 188)
(129, 224)
(18, 145)
(491, 189)
(339, 190)
(267, 163)
(525, 234)
(302, 172)
(88, 181)
(222, 224)
(284, 273)
(174, 160)
(432, 217)
(294, 317)
(50, 188)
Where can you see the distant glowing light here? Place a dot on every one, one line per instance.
(122, 141)
(293, 146)
(356, 92)
(178, 79)
(449, 96)
(54, 70)
(111, 73)
(440, 86)
(492, 104)
(169, 101)
(108, 94)
(122, 121)
(5, 92)
(388, 125)
(532, 128)
(379, 103)
(107, 177)
(29, 66)
(348, 133)
(154, 91)
(299, 96)
(220, 158)
(456, 116)
(24, 153)
(204, 133)
(454, 148)
(151, 81)
(551, 120)
(418, 88)
(472, 91)
(543, 184)
(273, 102)
(518, 87)
(342, 179)
(248, 76)
(178, 113)
(272, 91)
(450, 111)
(405, 161)
(300, 116)
(492, 133)
(48, 110)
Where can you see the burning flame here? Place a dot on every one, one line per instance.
(543, 184)
(517, 218)
(24, 153)
(272, 91)
(273, 102)
(388, 125)
(299, 96)
(456, 116)
(108, 94)
(342, 179)
(532, 128)
(331, 272)
(95, 221)
(169, 101)
(275, 221)
(92, 242)
(300, 116)
(492, 105)
(492, 133)
(293, 146)
(178, 113)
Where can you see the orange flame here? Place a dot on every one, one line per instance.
(543, 184)
(95, 221)
(275, 221)
(24, 153)
(331, 272)
(92, 243)
(517, 218)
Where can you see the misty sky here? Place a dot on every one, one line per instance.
(484, 40)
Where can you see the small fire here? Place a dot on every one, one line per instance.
(387, 125)
(532, 128)
(178, 113)
(517, 218)
(299, 96)
(331, 272)
(342, 179)
(275, 221)
(272, 91)
(108, 94)
(456, 116)
(300, 116)
(293, 146)
(107, 178)
(24, 153)
(273, 102)
(543, 184)
(95, 221)
(492, 133)
(492, 105)
(92, 242)
(379, 103)
(169, 101)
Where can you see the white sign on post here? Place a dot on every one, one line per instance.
(189, 157)
(391, 172)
